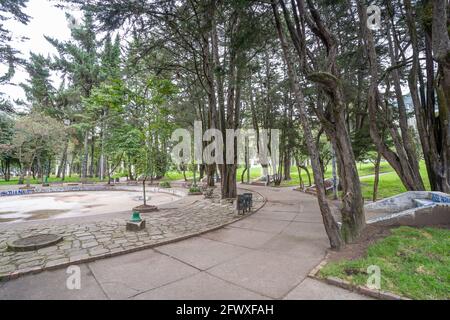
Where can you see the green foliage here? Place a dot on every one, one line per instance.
(165, 184)
(194, 189)
(36, 137)
(6, 136)
(39, 89)
(10, 9)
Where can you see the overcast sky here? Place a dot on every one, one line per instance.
(45, 20)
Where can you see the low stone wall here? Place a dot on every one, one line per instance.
(51, 189)
(397, 203)
(68, 188)
(440, 197)
(419, 217)
(405, 201)
(401, 209)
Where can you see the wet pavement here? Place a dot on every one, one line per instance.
(74, 204)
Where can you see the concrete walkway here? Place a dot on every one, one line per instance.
(265, 256)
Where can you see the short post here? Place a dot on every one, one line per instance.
(136, 223)
(136, 216)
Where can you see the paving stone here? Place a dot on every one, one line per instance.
(7, 268)
(48, 249)
(86, 238)
(98, 252)
(54, 263)
(55, 257)
(89, 244)
(31, 264)
(109, 236)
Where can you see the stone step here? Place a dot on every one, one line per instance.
(422, 202)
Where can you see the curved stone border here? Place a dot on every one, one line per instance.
(18, 192)
(34, 270)
(174, 191)
(27, 247)
(94, 187)
(377, 294)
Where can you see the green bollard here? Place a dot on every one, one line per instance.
(136, 217)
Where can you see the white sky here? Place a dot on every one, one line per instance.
(45, 20)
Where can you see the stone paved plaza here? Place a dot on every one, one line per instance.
(105, 235)
(267, 255)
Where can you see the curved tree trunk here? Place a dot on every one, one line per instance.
(330, 224)
(398, 161)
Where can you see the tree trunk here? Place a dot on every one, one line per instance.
(407, 140)
(84, 162)
(92, 162)
(377, 177)
(143, 190)
(397, 160)
(331, 227)
(300, 179)
(228, 183)
(307, 174)
(441, 53)
(71, 164)
(21, 175)
(287, 166)
(63, 162)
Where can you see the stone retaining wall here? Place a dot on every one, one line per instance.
(401, 209)
(404, 201)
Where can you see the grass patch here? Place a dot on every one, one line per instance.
(390, 184)
(414, 263)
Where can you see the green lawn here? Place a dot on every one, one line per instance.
(390, 184)
(254, 173)
(364, 169)
(177, 175)
(414, 263)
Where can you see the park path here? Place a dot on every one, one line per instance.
(265, 256)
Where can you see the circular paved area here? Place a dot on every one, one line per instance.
(73, 204)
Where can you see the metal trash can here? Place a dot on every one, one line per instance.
(249, 198)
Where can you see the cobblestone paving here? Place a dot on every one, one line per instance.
(100, 239)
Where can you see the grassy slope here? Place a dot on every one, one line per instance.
(390, 184)
(414, 263)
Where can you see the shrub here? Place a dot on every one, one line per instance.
(194, 189)
(165, 184)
